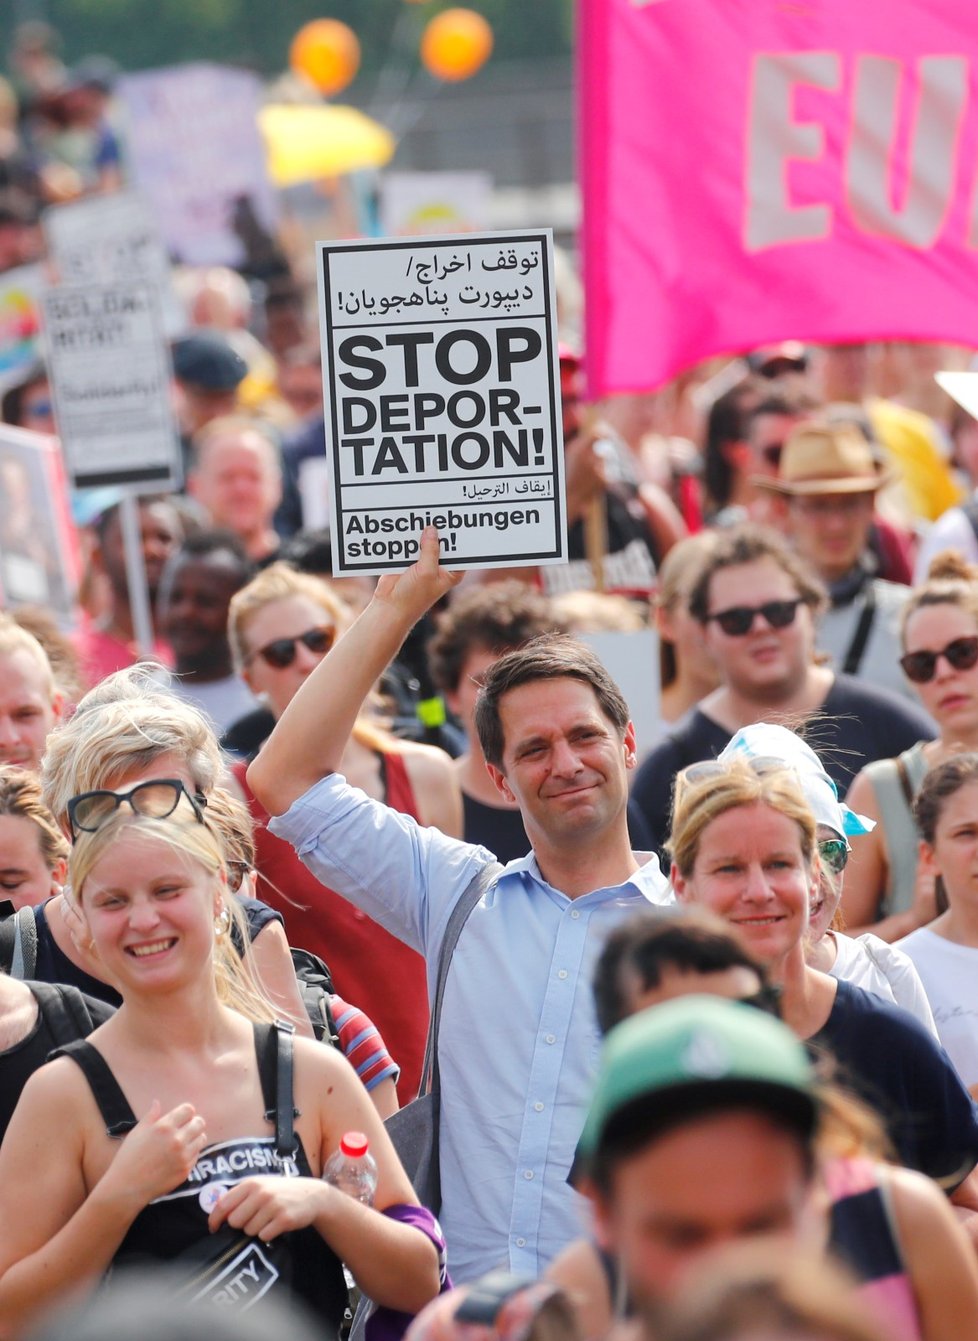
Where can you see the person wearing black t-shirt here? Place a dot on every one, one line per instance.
(758, 604)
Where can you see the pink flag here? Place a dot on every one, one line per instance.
(759, 170)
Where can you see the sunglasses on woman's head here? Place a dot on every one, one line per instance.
(739, 619)
(155, 799)
(280, 652)
(960, 654)
(761, 764)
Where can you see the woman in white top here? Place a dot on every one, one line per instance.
(865, 961)
(946, 952)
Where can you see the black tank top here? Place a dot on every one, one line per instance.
(228, 1268)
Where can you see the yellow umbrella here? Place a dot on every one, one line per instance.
(305, 143)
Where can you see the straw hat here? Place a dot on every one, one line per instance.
(825, 459)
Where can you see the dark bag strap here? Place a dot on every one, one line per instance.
(18, 944)
(470, 896)
(854, 656)
(68, 1013)
(112, 1103)
(903, 777)
(274, 1045)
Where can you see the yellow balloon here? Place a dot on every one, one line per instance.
(455, 44)
(327, 53)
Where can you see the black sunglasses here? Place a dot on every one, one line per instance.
(281, 651)
(961, 654)
(834, 852)
(739, 619)
(157, 799)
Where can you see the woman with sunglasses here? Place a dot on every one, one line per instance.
(192, 1129)
(280, 627)
(744, 846)
(946, 952)
(886, 889)
(865, 961)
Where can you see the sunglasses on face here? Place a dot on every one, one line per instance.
(834, 853)
(281, 652)
(739, 619)
(157, 799)
(961, 654)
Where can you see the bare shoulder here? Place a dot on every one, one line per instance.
(862, 795)
(426, 761)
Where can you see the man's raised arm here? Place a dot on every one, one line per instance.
(310, 736)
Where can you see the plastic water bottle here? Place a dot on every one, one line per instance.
(352, 1168)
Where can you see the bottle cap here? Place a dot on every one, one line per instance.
(354, 1144)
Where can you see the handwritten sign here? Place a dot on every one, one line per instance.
(111, 381)
(443, 400)
(109, 237)
(196, 153)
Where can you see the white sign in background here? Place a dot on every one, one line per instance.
(111, 381)
(105, 238)
(442, 391)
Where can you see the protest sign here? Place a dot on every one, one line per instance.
(110, 376)
(38, 562)
(412, 203)
(442, 400)
(756, 170)
(196, 153)
(20, 322)
(108, 237)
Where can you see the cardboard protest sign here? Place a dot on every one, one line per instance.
(442, 400)
(412, 203)
(107, 237)
(110, 375)
(38, 562)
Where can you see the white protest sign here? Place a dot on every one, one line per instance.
(108, 237)
(111, 381)
(443, 400)
(196, 153)
(434, 202)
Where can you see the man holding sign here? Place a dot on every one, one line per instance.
(519, 1038)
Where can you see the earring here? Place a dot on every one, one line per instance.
(222, 922)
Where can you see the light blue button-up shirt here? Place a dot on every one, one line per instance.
(519, 1039)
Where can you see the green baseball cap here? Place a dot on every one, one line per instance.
(691, 1056)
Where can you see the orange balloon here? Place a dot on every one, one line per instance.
(327, 53)
(455, 44)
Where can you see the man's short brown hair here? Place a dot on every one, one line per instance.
(748, 544)
(551, 656)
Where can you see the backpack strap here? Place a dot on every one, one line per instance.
(274, 1046)
(118, 1117)
(474, 891)
(864, 627)
(23, 960)
(68, 1013)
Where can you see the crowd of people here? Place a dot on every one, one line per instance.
(341, 855)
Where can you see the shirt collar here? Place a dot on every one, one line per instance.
(648, 880)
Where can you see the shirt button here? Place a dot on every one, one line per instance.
(521, 1243)
(538, 1107)
(575, 914)
(550, 1038)
(527, 1174)
(561, 973)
